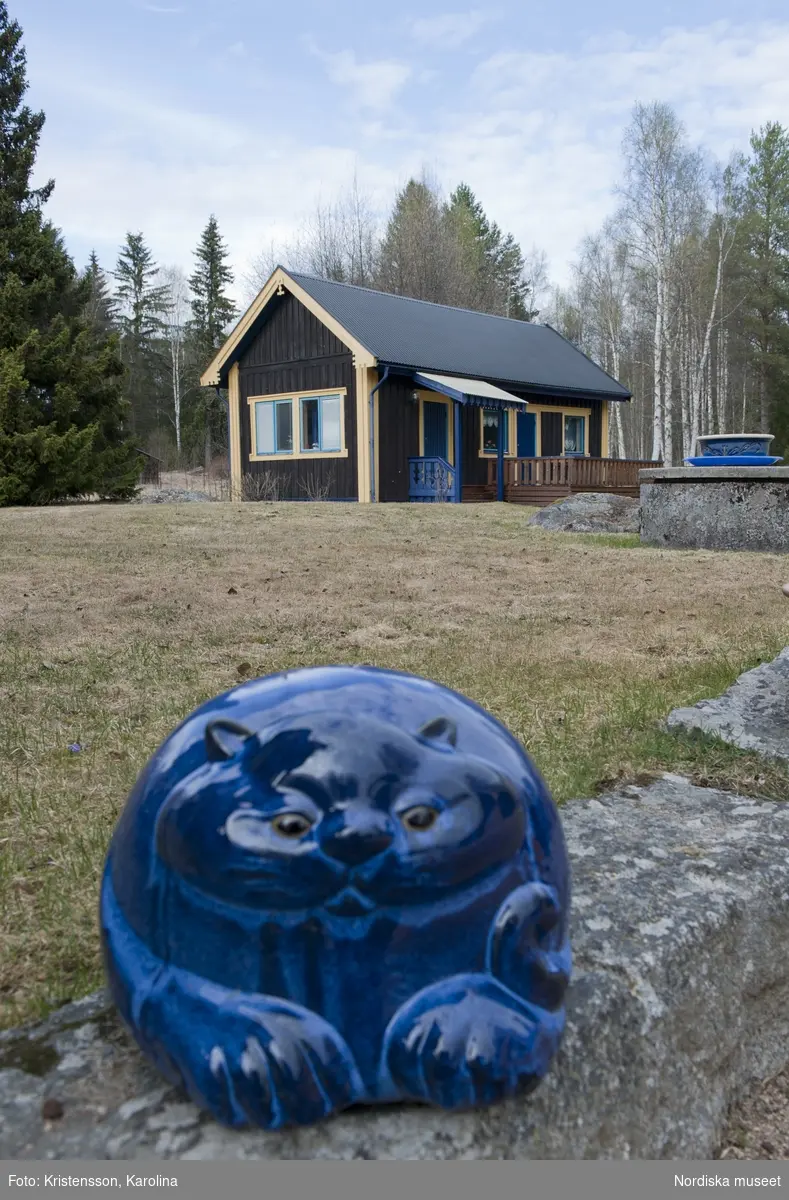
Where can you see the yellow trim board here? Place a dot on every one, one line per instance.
(233, 399)
(281, 280)
(364, 383)
(295, 398)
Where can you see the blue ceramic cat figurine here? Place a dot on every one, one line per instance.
(335, 886)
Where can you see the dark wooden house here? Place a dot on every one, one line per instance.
(344, 393)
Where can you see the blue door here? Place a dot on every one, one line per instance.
(527, 435)
(436, 430)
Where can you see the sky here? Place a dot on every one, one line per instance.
(162, 112)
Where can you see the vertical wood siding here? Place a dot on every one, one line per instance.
(473, 468)
(398, 438)
(294, 352)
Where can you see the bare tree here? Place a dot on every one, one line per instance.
(338, 241)
(176, 313)
(662, 201)
(602, 284)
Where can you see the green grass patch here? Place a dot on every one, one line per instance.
(117, 622)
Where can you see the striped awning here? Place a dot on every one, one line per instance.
(468, 391)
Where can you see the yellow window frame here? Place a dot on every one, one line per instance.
(538, 409)
(295, 399)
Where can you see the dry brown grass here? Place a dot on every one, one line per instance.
(117, 621)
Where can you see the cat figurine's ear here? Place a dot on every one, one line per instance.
(440, 730)
(225, 739)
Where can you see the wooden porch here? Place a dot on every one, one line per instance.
(540, 481)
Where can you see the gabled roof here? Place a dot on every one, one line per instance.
(459, 341)
(418, 335)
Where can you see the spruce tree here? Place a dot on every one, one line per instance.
(61, 411)
(766, 230)
(492, 266)
(142, 302)
(212, 312)
(101, 308)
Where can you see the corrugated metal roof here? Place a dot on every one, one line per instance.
(433, 337)
(476, 389)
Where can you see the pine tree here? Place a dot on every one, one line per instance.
(417, 247)
(212, 312)
(100, 309)
(142, 303)
(61, 410)
(766, 230)
(492, 268)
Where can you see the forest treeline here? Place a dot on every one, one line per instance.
(683, 295)
(169, 324)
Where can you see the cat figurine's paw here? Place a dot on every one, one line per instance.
(468, 1041)
(528, 949)
(250, 1060)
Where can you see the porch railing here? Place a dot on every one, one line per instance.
(431, 480)
(573, 473)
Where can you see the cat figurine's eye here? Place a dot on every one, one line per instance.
(291, 825)
(420, 817)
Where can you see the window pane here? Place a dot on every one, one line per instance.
(284, 421)
(574, 435)
(490, 430)
(330, 423)
(264, 428)
(310, 429)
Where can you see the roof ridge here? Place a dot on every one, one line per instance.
(476, 312)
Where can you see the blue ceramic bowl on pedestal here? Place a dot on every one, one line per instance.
(734, 450)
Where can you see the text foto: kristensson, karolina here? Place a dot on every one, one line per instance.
(69, 1181)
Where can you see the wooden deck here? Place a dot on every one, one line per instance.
(540, 481)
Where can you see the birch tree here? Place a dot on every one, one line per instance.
(603, 273)
(175, 322)
(720, 241)
(661, 199)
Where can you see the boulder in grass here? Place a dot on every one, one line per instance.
(591, 512)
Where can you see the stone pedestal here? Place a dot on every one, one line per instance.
(716, 508)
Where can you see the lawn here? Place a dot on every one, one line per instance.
(117, 621)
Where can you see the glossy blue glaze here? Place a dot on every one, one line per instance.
(339, 885)
(728, 446)
(733, 460)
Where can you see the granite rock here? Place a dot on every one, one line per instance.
(735, 508)
(590, 512)
(753, 714)
(679, 1003)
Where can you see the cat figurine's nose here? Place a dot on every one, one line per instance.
(355, 840)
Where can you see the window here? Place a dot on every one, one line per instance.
(490, 430)
(320, 423)
(303, 424)
(574, 434)
(274, 427)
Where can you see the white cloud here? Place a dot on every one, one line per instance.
(450, 30)
(537, 136)
(373, 85)
(540, 139)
